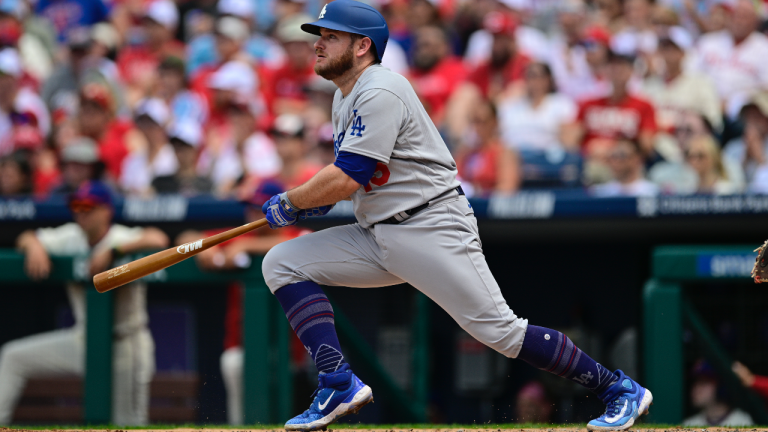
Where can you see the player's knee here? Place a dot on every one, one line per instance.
(11, 354)
(276, 271)
(505, 339)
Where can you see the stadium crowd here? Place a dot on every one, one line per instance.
(621, 97)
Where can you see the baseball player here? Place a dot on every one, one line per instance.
(62, 351)
(414, 225)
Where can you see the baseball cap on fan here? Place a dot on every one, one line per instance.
(678, 37)
(234, 76)
(153, 108)
(759, 101)
(238, 8)
(163, 12)
(10, 63)
(498, 23)
(232, 28)
(185, 131)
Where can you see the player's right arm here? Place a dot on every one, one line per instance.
(328, 186)
(37, 264)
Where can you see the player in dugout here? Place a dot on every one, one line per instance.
(61, 352)
(414, 225)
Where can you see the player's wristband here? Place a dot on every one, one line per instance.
(287, 205)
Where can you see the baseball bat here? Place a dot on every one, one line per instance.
(119, 276)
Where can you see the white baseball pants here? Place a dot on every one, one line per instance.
(61, 352)
(437, 251)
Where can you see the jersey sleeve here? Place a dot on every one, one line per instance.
(61, 240)
(120, 235)
(377, 117)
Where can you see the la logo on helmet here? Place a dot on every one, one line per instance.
(322, 12)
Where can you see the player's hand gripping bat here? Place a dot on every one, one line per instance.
(124, 274)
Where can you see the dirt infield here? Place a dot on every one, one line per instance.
(351, 428)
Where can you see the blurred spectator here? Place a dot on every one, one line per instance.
(288, 132)
(66, 15)
(16, 98)
(31, 35)
(84, 65)
(498, 78)
(602, 121)
(79, 164)
(535, 121)
(751, 149)
(637, 36)
(28, 140)
(610, 14)
(735, 58)
(245, 154)
(436, 72)
(709, 395)
(15, 175)
(231, 33)
(579, 55)
(96, 120)
(674, 175)
(675, 90)
(506, 64)
(285, 86)
(532, 42)
(703, 155)
(157, 158)
(625, 160)
(61, 352)
(487, 164)
(758, 383)
(171, 88)
(186, 138)
(532, 404)
(267, 52)
(138, 61)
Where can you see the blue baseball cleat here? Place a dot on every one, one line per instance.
(338, 394)
(625, 401)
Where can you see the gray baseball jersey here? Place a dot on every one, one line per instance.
(437, 250)
(382, 118)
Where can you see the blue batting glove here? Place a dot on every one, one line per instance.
(315, 211)
(280, 212)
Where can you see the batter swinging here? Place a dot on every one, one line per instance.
(414, 225)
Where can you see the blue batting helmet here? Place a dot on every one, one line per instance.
(353, 17)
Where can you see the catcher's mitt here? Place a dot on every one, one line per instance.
(760, 270)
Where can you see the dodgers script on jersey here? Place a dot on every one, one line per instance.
(382, 118)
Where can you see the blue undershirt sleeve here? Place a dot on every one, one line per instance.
(359, 167)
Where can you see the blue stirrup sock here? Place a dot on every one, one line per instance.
(552, 351)
(311, 316)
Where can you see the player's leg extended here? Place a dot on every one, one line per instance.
(452, 271)
(345, 255)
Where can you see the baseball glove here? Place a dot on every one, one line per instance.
(760, 270)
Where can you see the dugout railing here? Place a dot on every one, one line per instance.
(267, 397)
(667, 310)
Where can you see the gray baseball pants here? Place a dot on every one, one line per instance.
(437, 251)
